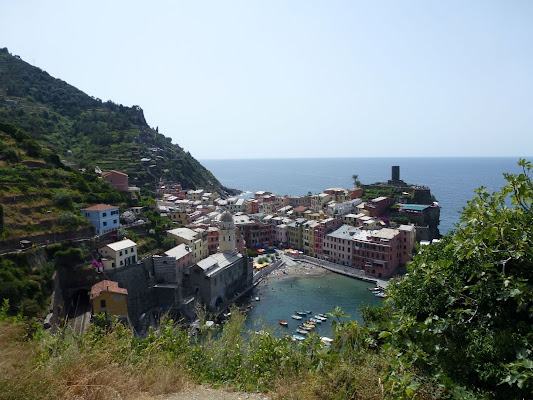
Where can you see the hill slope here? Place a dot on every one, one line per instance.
(86, 132)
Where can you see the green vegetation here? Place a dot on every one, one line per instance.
(39, 193)
(27, 289)
(465, 312)
(87, 132)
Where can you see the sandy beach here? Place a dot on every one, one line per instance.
(296, 270)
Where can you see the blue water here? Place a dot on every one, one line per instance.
(279, 299)
(452, 180)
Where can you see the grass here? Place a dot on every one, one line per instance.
(108, 362)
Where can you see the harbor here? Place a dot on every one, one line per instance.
(298, 287)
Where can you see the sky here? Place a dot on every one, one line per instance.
(286, 79)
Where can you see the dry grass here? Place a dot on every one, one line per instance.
(80, 374)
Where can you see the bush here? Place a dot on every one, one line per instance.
(63, 199)
(68, 220)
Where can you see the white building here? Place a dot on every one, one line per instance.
(118, 254)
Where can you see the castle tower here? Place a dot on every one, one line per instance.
(226, 233)
(395, 173)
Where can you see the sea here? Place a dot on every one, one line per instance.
(451, 180)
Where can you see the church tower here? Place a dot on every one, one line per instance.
(226, 233)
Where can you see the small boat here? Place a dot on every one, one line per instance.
(316, 321)
(283, 323)
(301, 313)
(310, 326)
(298, 337)
(320, 318)
(308, 312)
(326, 339)
(257, 299)
(382, 295)
(301, 331)
(305, 328)
(297, 317)
(372, 289)
(323, 316)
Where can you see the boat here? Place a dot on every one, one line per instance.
(283, 323)
(301, 331)
(320, 318)
(323, 316)
(316, 321)
(308, 312)
(372, 289)
(326, 340)
(310, 326)
(382, 295)
(301, 313)
(305, 328)
(296, 317)
(257, 299)
(298, 337)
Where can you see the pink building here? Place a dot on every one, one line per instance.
(339, 245)
(212, 240)
(377, 207)
(379, 252)
(320, 231)
(118, 180)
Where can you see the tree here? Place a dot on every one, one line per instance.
(1, 217)
(356, 181)
(465, 311)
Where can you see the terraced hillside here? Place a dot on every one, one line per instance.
(86, 132)
(38, 194)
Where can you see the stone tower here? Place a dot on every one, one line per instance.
(226, 233)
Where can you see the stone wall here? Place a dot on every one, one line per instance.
(137, 278)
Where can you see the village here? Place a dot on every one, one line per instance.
(223, 246)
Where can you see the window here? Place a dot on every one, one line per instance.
(104, 214)
(119, 253)
(102, 304)
(114, 221)
(105, 224)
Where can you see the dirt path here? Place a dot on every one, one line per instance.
(205, 393)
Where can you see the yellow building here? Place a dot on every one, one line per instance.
(106, 297)
(178, 216)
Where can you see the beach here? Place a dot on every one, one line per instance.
(296, 269)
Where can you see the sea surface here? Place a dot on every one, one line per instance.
(452, 180)
(281, 298)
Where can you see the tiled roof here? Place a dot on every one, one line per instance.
(100, 207)
(113, 172)
(106, 286)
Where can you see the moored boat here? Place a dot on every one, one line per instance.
(301, 331)
(283, 323)
(316, 321)
(297, 317)
(298, 337)
(301, 313)
(320, 318)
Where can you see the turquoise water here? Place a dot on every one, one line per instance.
(280, 298)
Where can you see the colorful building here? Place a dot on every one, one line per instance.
(103, 217)
(118, 254)
(108, 298)
(117, 180)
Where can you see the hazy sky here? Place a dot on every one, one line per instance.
(244, 79)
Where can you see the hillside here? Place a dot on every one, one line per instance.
(39, 194)
(86, 132)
